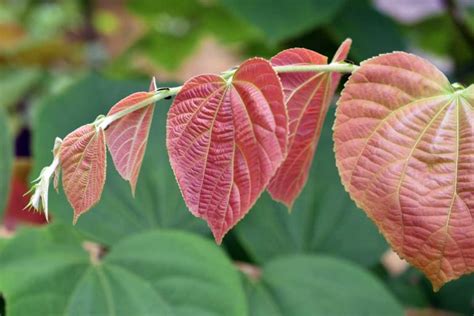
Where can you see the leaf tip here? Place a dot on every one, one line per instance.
(75, 218)
(133, 186)
(153, 86)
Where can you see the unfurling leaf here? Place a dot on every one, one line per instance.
(127, 137)
(83, 162)
(404, 143)
(308, 96)
(226, 139)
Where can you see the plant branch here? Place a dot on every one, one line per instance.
(104, 122)
(39, 199)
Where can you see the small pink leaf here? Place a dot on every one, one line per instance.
(83, 162)
(226, 140)
(127, 137)
(308, 96)
(404, 143)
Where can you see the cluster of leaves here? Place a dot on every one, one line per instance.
(429, 166)
(145, 266)
(403, 141)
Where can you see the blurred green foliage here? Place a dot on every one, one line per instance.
(6, 161)
(48, 50)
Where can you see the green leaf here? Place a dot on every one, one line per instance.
(157, 203)
(314, 285)
(281, 19)
(409, 288)
(438, 35)
(6, 161)
(48, 272)
(170, 50)
(181, 25)
(323, 220)
(371, 32)
(228, 28)
(456, 296)
(15, 83)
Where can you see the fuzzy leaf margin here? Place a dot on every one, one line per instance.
(308, 96)
(226, 139)
(83, 163)
(404, 144)
(127, 137)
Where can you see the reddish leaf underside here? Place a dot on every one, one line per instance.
(307, 96)
(127, 137)
(226, 140)
(404, 143)
(83, 162)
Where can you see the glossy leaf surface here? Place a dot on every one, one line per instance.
(127, 137)
(404, 142)
(49, 272)
(158, 202)
(318, 285)
(307, 98)
(83, 163)
(226, 140)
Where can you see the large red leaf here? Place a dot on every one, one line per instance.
(226, 140)
(83, 162)
(127, 137)
(308, 96)
(404, 142)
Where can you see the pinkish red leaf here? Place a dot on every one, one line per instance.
(226, 140)
(83, 162)
(308, 96)
(127, 137)
(404, 142)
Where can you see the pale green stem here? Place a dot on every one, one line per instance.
(159, 95)
(333, 67)
(104, 122)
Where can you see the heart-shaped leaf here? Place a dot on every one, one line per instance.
(83, 162)
(127, 137)
(308, 96)
(404, 142)
(48, 272)
(318, 285)
(226, 139)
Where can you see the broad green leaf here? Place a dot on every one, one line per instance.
(157, 203)
(280, 20)
(6, 161)
(48, 272)
(226, 139)
(318, 285)
(404, 144)
(372, 32)
(323, 220)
